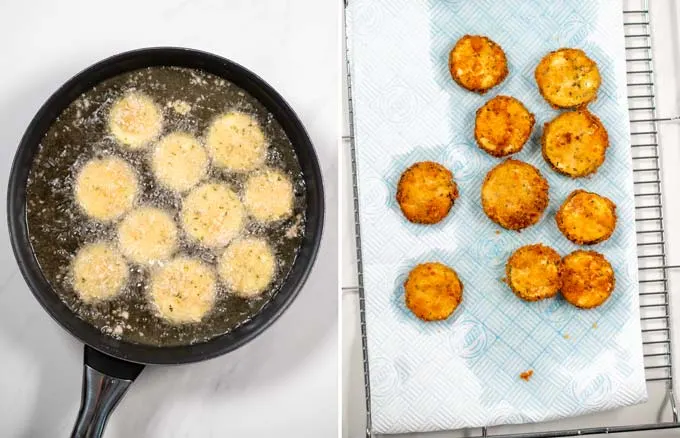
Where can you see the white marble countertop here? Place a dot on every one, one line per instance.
(284, 383)
(665, 16)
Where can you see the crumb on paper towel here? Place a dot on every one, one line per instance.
(594, 325)
(498, 231)
(526, 375)
(566, 336)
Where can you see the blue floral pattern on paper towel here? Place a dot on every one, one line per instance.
(464, 371)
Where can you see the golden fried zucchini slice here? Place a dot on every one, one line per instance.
(433, 291)
(477, 63)
(587, 279)
(575, 143)
(533, 272)
(586, 218)
(568, 78)
(426, 192)
(502, 126)
(514, 194)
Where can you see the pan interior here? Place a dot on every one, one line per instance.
(58, 228)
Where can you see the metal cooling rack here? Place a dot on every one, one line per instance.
(653, 266)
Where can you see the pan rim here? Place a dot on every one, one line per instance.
(29, 265)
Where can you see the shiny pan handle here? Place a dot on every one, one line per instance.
(105, 381)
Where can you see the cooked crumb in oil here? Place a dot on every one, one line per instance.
(180, 107)
(296, 228)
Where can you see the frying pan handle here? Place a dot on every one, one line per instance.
(105, 380)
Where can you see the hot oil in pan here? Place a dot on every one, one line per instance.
(57, 227)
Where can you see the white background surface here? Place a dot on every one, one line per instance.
(282, 384)
(665, 15)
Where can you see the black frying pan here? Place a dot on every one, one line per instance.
(110, 365)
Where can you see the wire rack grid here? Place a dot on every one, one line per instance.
(653, 266)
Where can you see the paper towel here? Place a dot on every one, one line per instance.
(464, 371)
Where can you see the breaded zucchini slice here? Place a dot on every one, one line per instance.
(433, 291)
(514, 194)
(587, 279)
(575, 143)
(568, 78)
(426, 192)
(586, 218)
(477, 63)
(533, 272)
